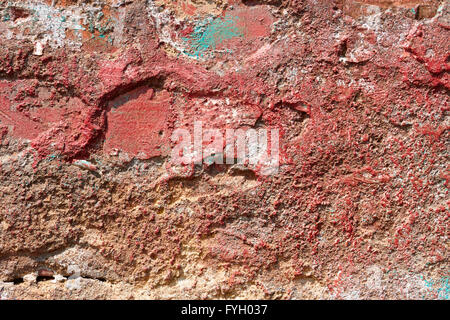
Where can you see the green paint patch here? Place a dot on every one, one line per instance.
(210, 33)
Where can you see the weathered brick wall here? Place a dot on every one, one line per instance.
(92, 205)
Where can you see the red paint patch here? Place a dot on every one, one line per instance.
(138, 124)
(78, 128)
(254, 22)
(111, 72)
(188, 8)
(21, 125)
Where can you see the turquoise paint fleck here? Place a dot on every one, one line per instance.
(209, 33)
(444, 289)
(441, 287)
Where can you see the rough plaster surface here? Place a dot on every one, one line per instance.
(91, 207)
